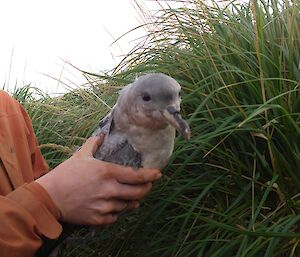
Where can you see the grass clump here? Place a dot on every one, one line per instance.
(233, 190)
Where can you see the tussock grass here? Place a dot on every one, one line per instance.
(233, 190)
(63, 123)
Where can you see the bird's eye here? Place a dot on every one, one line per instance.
(146, 97)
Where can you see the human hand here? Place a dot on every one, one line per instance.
(91, 192)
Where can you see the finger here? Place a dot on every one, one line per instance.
(91, 145)
(107, 219)
(113, 206)
(127, 175)
(132, 205)
(130, 192)
(98, 143)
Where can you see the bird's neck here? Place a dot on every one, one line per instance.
(132, 117)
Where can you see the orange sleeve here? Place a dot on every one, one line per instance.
(29, 215)
(39, 165)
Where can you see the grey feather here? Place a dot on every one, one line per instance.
(140, 129)
(116, 148)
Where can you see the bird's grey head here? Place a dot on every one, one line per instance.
(153, 101)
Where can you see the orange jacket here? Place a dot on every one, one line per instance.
(27, 213)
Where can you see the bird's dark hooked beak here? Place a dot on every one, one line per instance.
(173, 117)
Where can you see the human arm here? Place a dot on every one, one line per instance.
(81, 190)
(103, 190)
(27, 215)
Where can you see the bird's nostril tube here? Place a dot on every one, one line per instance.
(172, 110)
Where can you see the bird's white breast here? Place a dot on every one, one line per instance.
(155, 147)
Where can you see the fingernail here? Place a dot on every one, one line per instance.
(158, 176)
(101, 136)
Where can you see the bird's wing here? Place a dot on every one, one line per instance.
(116, 148)
(121, 153)
(104, 124)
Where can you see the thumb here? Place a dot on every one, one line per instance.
(91, 145)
